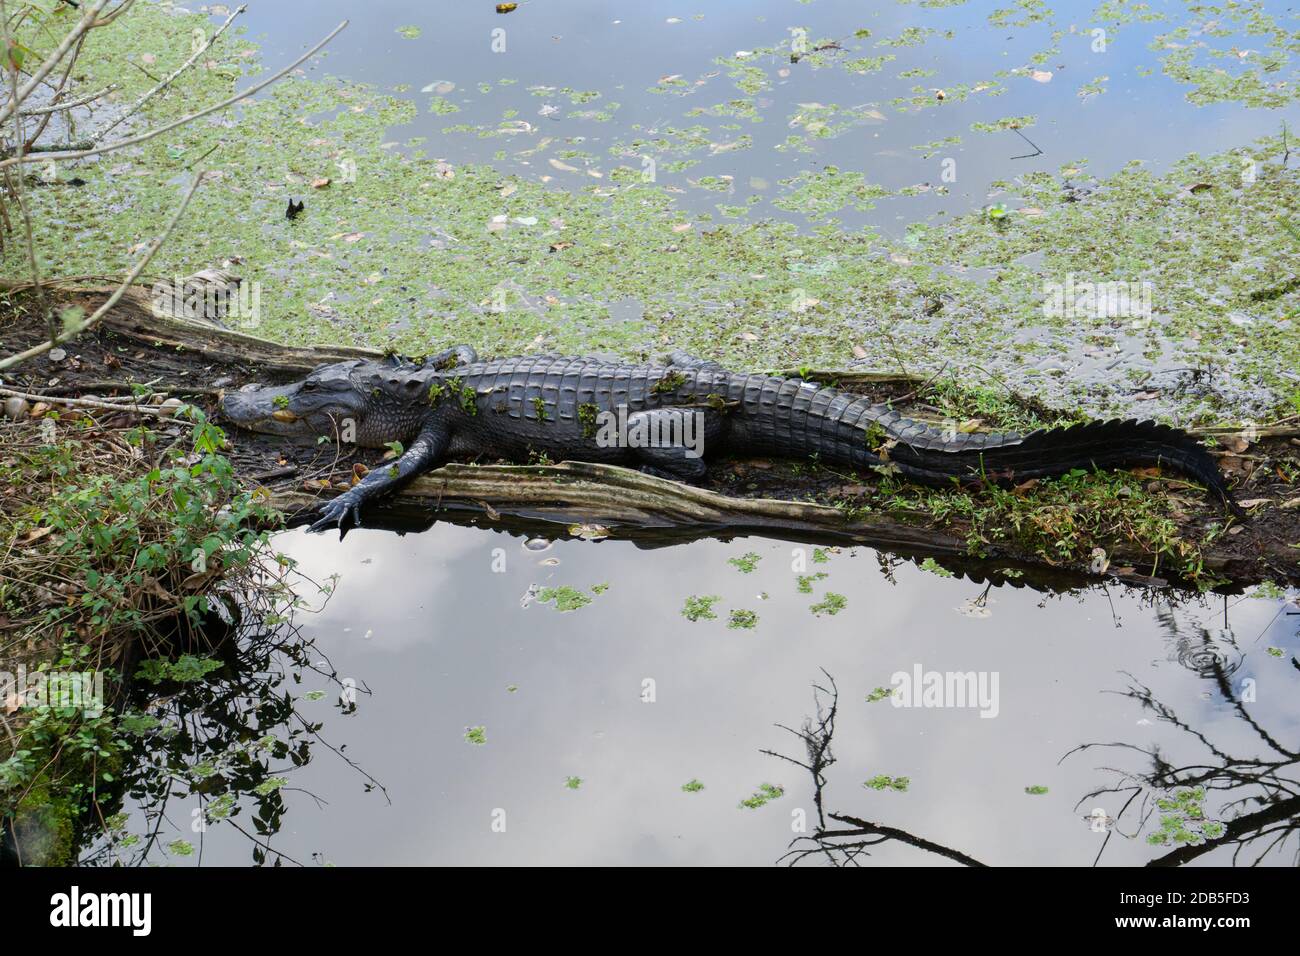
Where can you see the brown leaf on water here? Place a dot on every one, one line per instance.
(320, 183)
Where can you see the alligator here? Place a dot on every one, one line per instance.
(664, 418)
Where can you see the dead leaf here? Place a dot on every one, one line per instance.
(320, 183)
(35, 535)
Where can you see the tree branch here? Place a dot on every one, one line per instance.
(139, 104)
(150, 134)
(87, 21)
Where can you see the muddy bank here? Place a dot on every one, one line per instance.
(1159, 529)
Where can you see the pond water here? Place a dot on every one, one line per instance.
(615, 83)
(437, 633)
(502, 729)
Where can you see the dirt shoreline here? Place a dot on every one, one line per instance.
(741, 496)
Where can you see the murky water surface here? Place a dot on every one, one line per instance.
(612, 83)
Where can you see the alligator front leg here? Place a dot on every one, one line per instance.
(423, 454)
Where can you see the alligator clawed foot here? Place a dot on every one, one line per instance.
(336, 514)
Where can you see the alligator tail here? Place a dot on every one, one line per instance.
(1050, 452)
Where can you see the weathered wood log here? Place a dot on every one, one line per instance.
(627, 503)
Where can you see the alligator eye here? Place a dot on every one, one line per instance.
(309, 385)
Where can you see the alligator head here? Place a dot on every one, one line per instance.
(347, 401)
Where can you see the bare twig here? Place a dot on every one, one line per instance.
(17, 188)
(93, 403)
(150, 134)
(89, 19)
(1037, 149)
(171, 77)
(69, 104)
